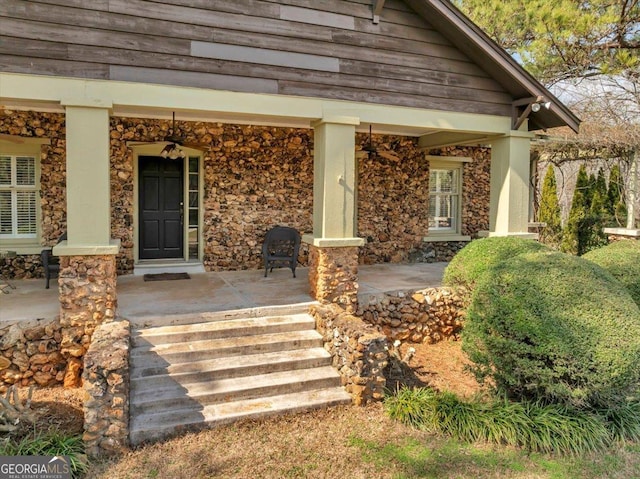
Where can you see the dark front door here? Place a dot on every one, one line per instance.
(161, 207)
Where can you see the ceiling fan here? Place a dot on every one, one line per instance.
(370, 149)
(172, 150)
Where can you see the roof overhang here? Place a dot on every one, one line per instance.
(470, 38)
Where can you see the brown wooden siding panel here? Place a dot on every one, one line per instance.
(16, 64)
(402, 60)
(373, 96)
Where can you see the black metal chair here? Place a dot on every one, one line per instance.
(51, 263)
(280, 248)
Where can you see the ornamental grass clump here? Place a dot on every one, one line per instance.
(479, 256)
(556, 329)
(531, 425)
(622, 260)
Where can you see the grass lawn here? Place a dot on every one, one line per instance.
(349, 442)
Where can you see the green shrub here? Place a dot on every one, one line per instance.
(549, 211)
(480, 255)
(49, 443)
(622, 260)
(537, 427)
(555, 328)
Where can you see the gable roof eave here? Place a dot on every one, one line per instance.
(467, 36)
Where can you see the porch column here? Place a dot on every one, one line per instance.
(87, 279)
(333, 247)
(509, 206)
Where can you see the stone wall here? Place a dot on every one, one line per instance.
(359, 352)
(21, 266)
(428, 315)
(30, 354)
(431, 252)
(254, 178)
(52, 180)
(106, 384)
(87, 299)
(333, 276)
(257, 177)
(393, 199)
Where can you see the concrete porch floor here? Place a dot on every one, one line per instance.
(214, 292)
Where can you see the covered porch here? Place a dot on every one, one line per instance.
(217, 292)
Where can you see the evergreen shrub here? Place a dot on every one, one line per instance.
(622, 260)
(554, 328)
(480, 255)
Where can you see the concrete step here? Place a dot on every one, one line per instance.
(178, 396)
(158, 425)
(151, 321)
(222, 329)
(165, 354)
(187, 375)
(154, 377)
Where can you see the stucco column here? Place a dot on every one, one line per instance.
(333, 268)
(87, 278)
(509, 206)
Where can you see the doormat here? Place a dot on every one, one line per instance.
(166, 276)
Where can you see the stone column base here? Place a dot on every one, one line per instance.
(333, 275)
(87, 299)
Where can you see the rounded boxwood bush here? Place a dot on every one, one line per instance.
(555, 328)
(477, 257)
(622, 260)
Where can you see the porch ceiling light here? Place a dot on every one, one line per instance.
(172, 151)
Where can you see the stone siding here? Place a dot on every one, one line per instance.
(52, 182)
(428, 315)
(432, 252)
(106, 384)
(255, 177)
(333, 276)
(87, 299)
(21, 266)
(359, 352)
(30, 353)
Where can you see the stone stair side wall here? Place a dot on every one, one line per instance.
(106, 384)
(428, 315)
(359, 351)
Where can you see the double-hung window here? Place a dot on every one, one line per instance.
(18, 197)
(445, 198)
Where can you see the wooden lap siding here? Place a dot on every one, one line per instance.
(314, 48)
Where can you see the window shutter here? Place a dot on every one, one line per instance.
(26, 212)
(5, 170)
(5, 213)
(25, 171)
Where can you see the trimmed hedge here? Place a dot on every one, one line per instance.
(622, 260)
(480, 255)
(555, 328)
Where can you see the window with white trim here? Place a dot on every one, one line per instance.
(445, 186)
(18, 196)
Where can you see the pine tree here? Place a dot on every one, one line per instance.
(549, 210)
(575, 234)
(598, 214)
(615, 204)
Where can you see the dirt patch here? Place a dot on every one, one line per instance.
(58, 408)
(442, 367)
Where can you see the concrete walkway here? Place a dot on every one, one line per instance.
(212, 292)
